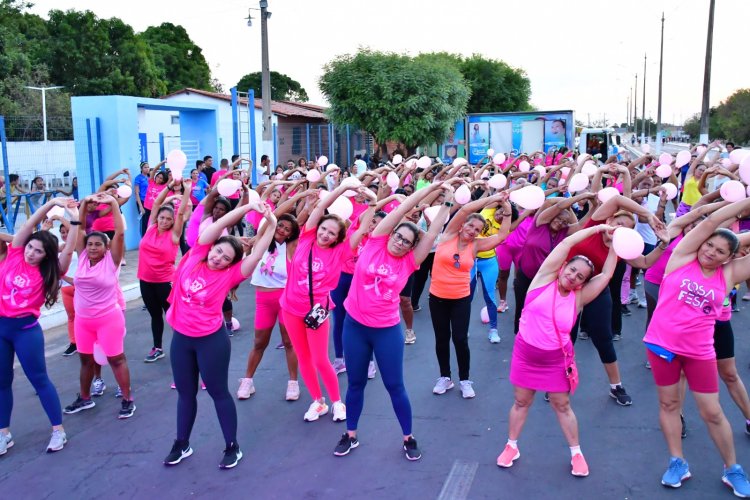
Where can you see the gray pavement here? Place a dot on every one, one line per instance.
(288, 458)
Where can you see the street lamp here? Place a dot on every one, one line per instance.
(44, 104)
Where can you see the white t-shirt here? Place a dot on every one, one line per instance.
(647, 233)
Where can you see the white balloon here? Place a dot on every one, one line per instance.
(663, 171)
(331, 167)
(524, 166)
(361, 166)
(226, 187)
(733, 191)
(540, 170)
(589, 168)
(55, 211)
(628, 244)
(424, 162)
(490, 152)
(253, 196)
(670, 189)
(665, 159)
(578, 182)
(497, 181)
(498, 159)
(431, 212)
(744, 170)
(322, 161)
(462, 195)
(351, 182)
(683, 158)
(176, 161)
(459, 162)
(392, 180)
(397, 159)
(738, 155)
(124, 191)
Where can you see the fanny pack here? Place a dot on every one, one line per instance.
(317, 314)
(660, 351)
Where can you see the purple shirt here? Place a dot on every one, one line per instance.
(539, 243)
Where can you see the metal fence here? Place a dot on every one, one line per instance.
(311, 140)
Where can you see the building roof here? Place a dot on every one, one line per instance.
(280, 108)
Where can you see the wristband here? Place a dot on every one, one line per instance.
(75, 223)
(448, 204)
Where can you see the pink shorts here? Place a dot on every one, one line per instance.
(108, 330)
(504, 257)
(702, 374)
(267, 309)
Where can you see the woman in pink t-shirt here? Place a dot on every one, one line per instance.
(557, 294)
(200, 343)
(99, 304)
(680, 337)
(393, 252)
(30, 272)
(320, 244)
(157, 252)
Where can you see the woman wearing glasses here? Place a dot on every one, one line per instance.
(391, 254)
(450, 297)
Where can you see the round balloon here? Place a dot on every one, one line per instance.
(646, 148)
(497, 181)
(351, 183)
(683, 158)
(392, 180)
(397, 159)
(607, 193)
(253, 196)
(663, 171)
(490, 152)
(424, 162)
(235, 324)
(540, 170)
(700, 150)
(459, 162)
(628, 244)
(589, 169)
(529, 197)
(484, 315)
(670, 189)
(524, 166)
(55, 211)
(322, 161)
(361, 166)
(313, 176)
(226, 187)
(733, 191)
(176, 161)
(99, 356)
(665, 159)
(744, 170)
(124, 191)
(431, 212)
(738, 155)
(462, 195)
(578, 182)
(498, 159)
(342, 207)
(565, 171)
(331, 167)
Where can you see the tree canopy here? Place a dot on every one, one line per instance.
(727, 121)
(283, 87)
(394, 97)
(179, 61)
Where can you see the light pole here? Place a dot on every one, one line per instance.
(643, 111)
(266, 74)
(707, 75)
(658, 112)
(44, 104)
(635, 108)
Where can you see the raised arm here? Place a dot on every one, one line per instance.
(19, 239)
(598, 283)
(320, 209)
(70, 244)
(423, 248)
(179, 217)
(213, 231)
(388, 224)
(250, 262)
(117, 245)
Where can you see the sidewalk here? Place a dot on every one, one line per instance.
(56, 316)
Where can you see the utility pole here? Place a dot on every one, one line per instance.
(658, 112)
(635, 108)
(44, 105)
(627, 112)
(707, 75)
(265, 76)
(643, 111)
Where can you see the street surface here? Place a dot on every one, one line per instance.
(285, 457)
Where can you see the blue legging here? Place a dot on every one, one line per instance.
(338, 295)
(360, 342)
(23, 337)
(489, 270)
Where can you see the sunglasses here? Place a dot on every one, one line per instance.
(402, 241)
(456, 261)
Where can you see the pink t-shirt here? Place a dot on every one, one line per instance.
(198, 293)
(326, 270)
(357, 210)
(655, 273)
(21, 288)
(688, 306)
(104, 223)
(350, 257)
(253, 218)
(218, 175)
(156, 256)
(537, 324)
(152, 192)
(196, 226)
(97, 287)
(373, 298)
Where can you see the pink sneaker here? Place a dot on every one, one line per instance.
(508, 456)
(173, 386)
(579, 466)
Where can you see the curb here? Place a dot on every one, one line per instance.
(52, 318)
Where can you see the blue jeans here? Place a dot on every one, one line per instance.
(488, 270)
(360, 342)
(23, 337)
(338, 295)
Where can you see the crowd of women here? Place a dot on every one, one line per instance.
(316, 239)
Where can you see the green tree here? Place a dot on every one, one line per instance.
(733, 116)
(692, 125)
(179, 61)
(283, 87)
(92, 56)
(395, 97)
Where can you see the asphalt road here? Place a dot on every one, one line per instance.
(285, 457)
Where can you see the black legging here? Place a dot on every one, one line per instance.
(155, 299)
(615, 285)
(208, 356)
(144, 220)
(597, 318)
(521, 284)
(450, 319)
(420, 278)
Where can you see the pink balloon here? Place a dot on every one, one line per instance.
(322, 161)
(663, 171)
(342, 207)
(646, 148)
(459, 162)
(463, 195)
(99, 356)
(498, 159)
(490, 152)
(351, 182)
(484, 315)
(226, 187)
(392, 180)
(665, 159)
(397, 159)
(497, 181)
(431, 212)
(578, 182)
(528, 197)
(565, 171)
(738, 155)
(313, 175)
(700, 150)
(176, 161)
(744, 170)
(235, 324)
(589, 169)
(253, 196)
(278, 177)
(55, 211)
(524, 166)
(733, 191)
(124, 191)
(607, 193)
(628, 244)
(683, 158)
(670, 189)
(540, 170)
(424, 162)
(726, 162)
(331, 167)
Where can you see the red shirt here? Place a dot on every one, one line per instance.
(592, 247)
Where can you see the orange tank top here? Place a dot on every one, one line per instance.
(451, 270)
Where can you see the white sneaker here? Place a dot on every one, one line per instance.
(57, 441)
(371, 371)
(247, 388)
(6, 441)
(409, 336)
(442, 385)
(642, 304)
(292, 390)
(316, 411)
(339, 366)
(467, 392)
(633, 297)
(493, 336)
(339, 411)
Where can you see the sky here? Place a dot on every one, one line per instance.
(579, 54)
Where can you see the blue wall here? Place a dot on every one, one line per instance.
(106, 140)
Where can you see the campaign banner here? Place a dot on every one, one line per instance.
(454, 145)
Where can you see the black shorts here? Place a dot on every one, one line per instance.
(227, 305)
(406, 292)
(723, 340)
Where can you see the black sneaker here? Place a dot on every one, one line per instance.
(346, 444)
(411, 449)
(683, 434)
(79, 404)
(416, 308)
(127, 409)
(232, 456)
(619, 395)
(180, 450)
(546, 397)
(72, 349)
(625, 310)
(228, 326)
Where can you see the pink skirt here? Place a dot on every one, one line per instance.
(538, 369)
